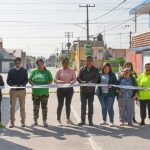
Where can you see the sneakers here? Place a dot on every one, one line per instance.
(69, 122)
(23, 125)
(11, 125)
(59, 123)
(134, 120)
(121, 124)
(35, 124)
(103, 123)
(45, 124)
(130, 124)
(142, 123)
(111, 124)
(81, 123)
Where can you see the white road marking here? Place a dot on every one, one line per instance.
(93, 143)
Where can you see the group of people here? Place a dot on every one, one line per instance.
(126, 97)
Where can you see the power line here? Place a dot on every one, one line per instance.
(82, 30)
(119, 24)
(58, 3)
(21, 37)
(109, 11)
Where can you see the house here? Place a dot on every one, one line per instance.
(118, 53)
(140, 49)
(6, 59)
(19, 53)
(82, 48)
(30, 62)
(52, 60)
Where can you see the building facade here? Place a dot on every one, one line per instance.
(82, 49)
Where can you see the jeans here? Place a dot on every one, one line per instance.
(62, 94)
(107, 103)
(87, 97)
(126, 108)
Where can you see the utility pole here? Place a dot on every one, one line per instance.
(62, 46)
(135, 23)
(120, 40)
(130, 39)
(69, 35)
(87, 22)
(57, 58)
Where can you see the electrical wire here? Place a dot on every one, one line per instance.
(109, 10)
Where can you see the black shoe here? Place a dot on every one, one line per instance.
(23, 125)
(81, 123)
(12, 125)
(142, 123)
(90, 123)
(134, 120)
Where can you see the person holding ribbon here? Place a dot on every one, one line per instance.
(17, 78)
(126, 97)
(133, 74)
(40, 76)
(106, 94)
(143, 80)
(87, 75)
(1, 85)
(65, 75)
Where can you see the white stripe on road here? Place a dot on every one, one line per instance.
(93, 143)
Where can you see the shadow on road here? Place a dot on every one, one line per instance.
(52, 131)
(120, 132)
(60, 133)
(6, 109)
(4, 145)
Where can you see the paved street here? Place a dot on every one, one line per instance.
(71, 137)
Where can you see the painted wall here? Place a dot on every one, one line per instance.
(136, 59)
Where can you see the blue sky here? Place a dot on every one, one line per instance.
(38, 26)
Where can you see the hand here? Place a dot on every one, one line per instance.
(61, 82)
(21, 86)
(71, 82)
(110, 86)
(33, 84)
(134, 97)
(83, 82)
(119, 92)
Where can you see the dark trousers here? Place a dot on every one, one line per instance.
(62, 94)
(0, 108)
(87, 98)
(143, 105)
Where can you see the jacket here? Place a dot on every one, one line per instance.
(134, 83)
(90, 76)
(144, 81)
(112, 90)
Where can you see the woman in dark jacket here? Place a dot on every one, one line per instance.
(106, 94)
(1, 84)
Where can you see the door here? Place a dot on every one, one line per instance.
(146, 57)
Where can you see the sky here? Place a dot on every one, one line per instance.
(38, 26)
